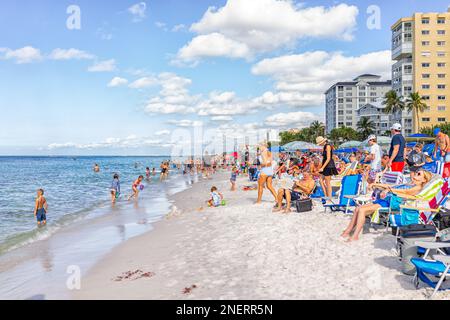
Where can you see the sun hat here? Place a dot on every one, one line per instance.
(372, 137)
(396, 127)
(320, 140)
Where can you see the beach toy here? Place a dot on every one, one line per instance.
(141, 187)
(117, 195)
(224, 203)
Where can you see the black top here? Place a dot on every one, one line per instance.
(330, 164)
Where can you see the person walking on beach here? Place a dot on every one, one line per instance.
(40, 209)
(442, 143)
(135, 187)
(397, 150)
(234, 173)
(328, 168)
(267, 172)
(115, 188)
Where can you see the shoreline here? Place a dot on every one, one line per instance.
(244, 251)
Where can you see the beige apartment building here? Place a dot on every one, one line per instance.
(421, 49)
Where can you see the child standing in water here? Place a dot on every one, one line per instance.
(147, 173)
(135, 188)
(40, 209)
(216, 198)
(115, 188)
(234, 173)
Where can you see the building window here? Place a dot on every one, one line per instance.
(441, 64)
(441, 97)
(340, 100)
(441, 75)
(441, 119)
(425, 86)
(441, 32)
(348, 124)
(349, 111)
(426, 97)
(425, 43)
(425, 119)
(340, 88)
(425, 65)
(425, 32)
(425, 75)
(441, 108)
(340, 113)
(426, 54)
(440, 21)
(425, 21)
(441, 54)
(441, 43)
(348, 100)
(441, 86)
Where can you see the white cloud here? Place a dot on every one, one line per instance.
(302, 79)
(221, 118)
(103, 66)
(138, 11)
(243, 28)
(69, 54)
(173, 97)
(144, 82)
(117, 82)
(178, 27)
(23, 55)
(185, 123)
(298, 119)
(162, 133)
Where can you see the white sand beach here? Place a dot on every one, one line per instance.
(244, 251)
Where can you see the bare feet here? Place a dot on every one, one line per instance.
(277, 209)
(345, 234)
(287, 210)
(352, 239)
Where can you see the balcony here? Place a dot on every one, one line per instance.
(402, 51)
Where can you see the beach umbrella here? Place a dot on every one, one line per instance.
(350, 144)
(346, 150)
(419, 137)
(381, 140)
(301, 145)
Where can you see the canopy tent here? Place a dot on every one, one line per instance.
(276, 149)
(300, 145)
(350, 144)
(419, 137)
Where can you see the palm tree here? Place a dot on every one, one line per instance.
(317, 128)
(366, 127)
(415, 103)
(393, 103)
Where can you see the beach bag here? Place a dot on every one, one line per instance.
(443, 219)
(304, 205)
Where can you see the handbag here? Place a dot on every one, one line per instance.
(304, 205)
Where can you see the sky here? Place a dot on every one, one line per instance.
(125, 77)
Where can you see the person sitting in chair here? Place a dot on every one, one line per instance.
(301, 189)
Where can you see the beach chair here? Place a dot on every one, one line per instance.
(394, 178)
(350, 187)
(437, 266)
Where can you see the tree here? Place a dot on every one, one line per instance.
(415, 103)
(393, 103)
(343, 134)
(317, 128)
(445, 128)
(308, 134)
(366, 127)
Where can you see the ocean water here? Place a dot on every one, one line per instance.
(73, 191)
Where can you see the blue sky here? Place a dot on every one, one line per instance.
(227, 70)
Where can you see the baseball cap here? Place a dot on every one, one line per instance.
(415, 168)
(396, 127)
(436, 131)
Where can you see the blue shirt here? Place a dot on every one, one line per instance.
(115, 185)
(398, 140)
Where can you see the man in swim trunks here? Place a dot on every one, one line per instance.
(40, 209)
(442, 143)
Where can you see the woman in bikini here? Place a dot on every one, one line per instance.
(267, 173)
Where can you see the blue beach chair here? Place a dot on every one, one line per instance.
(350, 187)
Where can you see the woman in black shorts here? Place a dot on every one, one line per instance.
(328, 168)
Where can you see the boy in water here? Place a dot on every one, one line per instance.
(216, 198)
(115, 188)
(40, 209)
(147, 173)
(135, 188)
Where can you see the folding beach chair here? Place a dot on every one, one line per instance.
(438, 266)
(350, 187)
(392, 178)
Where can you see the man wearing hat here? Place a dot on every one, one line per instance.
(397, 150)
(442, 143)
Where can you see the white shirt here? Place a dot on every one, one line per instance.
(375, 150)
